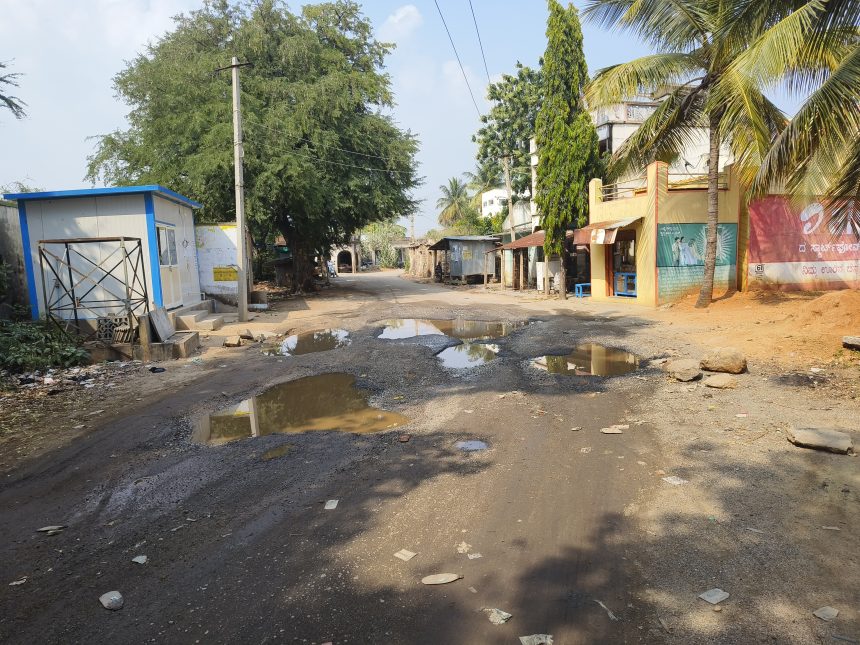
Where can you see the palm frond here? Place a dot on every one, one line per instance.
(641, 75)
(667, 24)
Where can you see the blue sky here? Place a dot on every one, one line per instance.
(69, 56)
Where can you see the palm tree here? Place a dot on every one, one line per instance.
(814, 49)
(12, 103)
(487, 176)
(699, 44)
(454, 202)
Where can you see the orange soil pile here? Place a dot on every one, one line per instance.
(837, 313)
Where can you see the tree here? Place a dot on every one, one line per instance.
(455, 201)
(813, 49)
(322, 158)
(487, 176)
(11, 103)
(567, 141)
(377, 240)
(698, 44)
(509, 126)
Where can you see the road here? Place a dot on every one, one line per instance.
(241, 549)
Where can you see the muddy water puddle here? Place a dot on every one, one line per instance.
(458, 328)
(323, 340)
(467, 355)
(590, 359)
(327, 402)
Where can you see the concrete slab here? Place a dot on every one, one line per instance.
(828, 439)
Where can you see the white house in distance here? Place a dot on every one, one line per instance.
(84, 224)
(493, 201)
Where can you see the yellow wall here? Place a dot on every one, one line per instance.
(658, 205)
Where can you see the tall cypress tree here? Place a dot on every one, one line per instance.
(568, 156)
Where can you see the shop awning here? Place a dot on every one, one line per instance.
(602, 232)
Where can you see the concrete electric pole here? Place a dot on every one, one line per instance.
(238, 154)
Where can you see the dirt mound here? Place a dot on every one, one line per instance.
(836, 312)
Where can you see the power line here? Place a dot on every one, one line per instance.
(480, 44)
(459, 62)
(352, 152)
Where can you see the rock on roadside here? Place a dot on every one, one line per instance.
(821, 439)
(683, 369)
(724, 359)
(112, 600)
(721, 381)
(233, 341)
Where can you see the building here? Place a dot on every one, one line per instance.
(647, 245)
(86, 251)
(464, 256)
(493, 201)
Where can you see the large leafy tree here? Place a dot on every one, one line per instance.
(322, 160)
(813, 49)
(11, 103)
(508, 127)
(698, 44)
(567, 141)
(455, 202)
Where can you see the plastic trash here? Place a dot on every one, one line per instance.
(157, 370)
(474, 556)
(714, 596)
(405, 555)
(497, 616)
(140, 559)
(440, 578)
(536, 639)
(330, 505)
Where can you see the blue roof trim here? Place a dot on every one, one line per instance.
(117, 190)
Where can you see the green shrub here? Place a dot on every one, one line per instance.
(37, 346)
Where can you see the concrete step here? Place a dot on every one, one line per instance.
(189, 320)
(210, 322)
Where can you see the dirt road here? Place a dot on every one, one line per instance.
(578, 534)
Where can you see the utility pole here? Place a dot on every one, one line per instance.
(238, 154)
(506, 162)
(412, 227)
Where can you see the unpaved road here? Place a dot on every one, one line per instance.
(579, 536)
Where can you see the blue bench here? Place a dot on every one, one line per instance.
(578, 290)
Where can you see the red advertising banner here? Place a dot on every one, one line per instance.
(798, 248)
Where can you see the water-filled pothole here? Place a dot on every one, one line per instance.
(590, 359)
(471, 445)
(314, 403)
(323, 340)
(467, 355)
(457, 328)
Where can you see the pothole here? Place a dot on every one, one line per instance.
(467, 355)
(327, 402)
(460, 328)
(323, 340)
(471, 445)
(589, 359)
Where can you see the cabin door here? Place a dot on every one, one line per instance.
(171, 280)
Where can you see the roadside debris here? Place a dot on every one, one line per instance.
(474, 556)
(18, 582)
(536, 639)
(497, 616)
(51, 530)
(714, 596)
(576, 428)
(585, 450)
(473, 590)
(721, 381)
(749, 528)
(140, 559)
(405, 555)
(233, 341)
(440, 578)
(828, 439)
(404, 438)
(157, 370)
(112, 600)
(331, 504)
(615, 429)
(607, 610)
(683, 369)
(826, 613)
(851, 342)
(675, 480)
(463, 547)
(831, 528)
(724, 359)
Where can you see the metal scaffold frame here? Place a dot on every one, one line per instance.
(76, 293)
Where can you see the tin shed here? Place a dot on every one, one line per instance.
(465, 254)
(88, 226)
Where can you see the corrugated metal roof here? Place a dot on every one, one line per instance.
(535, 239)
(444, 243)
(98, 192)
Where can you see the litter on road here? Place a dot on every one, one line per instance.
(474, 556)
(18, 582)
(615, 429)
(112, 600)
(497, 616)
(536, 639)
(607, 610)
(330, 504)
(831, 528)
(463, 547)
(51, 530)
(675, 480)
(404, 438)
(140, 559)
(585, 450)
(405, 555)
(714, 596)
(440, 578)
(826, 613)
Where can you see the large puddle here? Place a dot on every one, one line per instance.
(590, 359)
(310, 342)
(457, 328)
(314, 403)
(467, 355)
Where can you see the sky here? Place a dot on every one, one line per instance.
(68, 53)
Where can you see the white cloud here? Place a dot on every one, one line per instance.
(401, 24)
